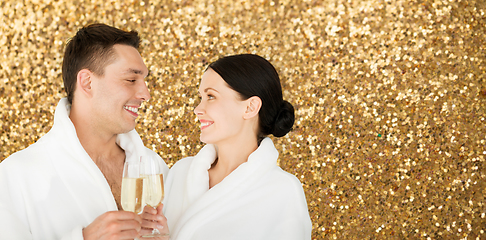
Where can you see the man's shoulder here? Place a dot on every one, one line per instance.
(152, 152)
(27, 157)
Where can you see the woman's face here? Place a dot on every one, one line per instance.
(220, 111)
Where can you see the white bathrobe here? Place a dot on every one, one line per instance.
(258, 200)
(52, 189)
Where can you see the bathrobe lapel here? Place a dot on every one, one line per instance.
(203, 204)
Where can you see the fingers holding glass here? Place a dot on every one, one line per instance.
(153, 194)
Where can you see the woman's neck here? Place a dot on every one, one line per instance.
(229, 157)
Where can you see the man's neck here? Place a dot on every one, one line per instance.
(97, 147)
(98, 143)
(104, 151)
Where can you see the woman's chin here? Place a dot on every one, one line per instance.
(202, 139)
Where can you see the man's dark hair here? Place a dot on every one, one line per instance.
(92, 48)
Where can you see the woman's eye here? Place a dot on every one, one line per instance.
(210, 97)
(131, 80)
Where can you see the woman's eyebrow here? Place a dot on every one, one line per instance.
(210, 88)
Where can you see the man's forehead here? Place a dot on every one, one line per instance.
(130, 60)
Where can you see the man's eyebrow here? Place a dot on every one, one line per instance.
(135, 71)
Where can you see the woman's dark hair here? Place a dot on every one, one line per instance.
(92, 48)
(251, 75)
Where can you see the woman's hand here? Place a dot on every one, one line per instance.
(153, 218)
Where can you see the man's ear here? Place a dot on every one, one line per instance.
(252, 107)
(83, 81)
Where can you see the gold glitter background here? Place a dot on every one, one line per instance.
(390, 132)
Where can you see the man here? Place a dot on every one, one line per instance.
(67, 185)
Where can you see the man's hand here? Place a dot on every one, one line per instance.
(153, 218)
(114, 225)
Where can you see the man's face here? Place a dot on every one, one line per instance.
(119, 93)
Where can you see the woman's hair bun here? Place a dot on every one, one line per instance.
(284, 120)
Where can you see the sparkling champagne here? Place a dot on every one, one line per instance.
(131, 194)
(153, 189)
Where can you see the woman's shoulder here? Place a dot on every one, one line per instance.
(180, 168)
(182, 163)
(284, 182)
(283, 175)
(284, 185)
(178, 171)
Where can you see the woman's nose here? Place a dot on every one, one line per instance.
(198, 110)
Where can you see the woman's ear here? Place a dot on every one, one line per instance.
(252, 107)
(83, 81)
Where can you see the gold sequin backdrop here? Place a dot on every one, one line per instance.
(389, 139)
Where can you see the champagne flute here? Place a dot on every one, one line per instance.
(153, 185)
(132, 187)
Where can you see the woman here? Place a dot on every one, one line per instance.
(233, 188)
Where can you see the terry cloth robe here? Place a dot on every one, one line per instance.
(258, 200)
(53, 189)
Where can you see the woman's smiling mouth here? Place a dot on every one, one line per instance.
(205, 124)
